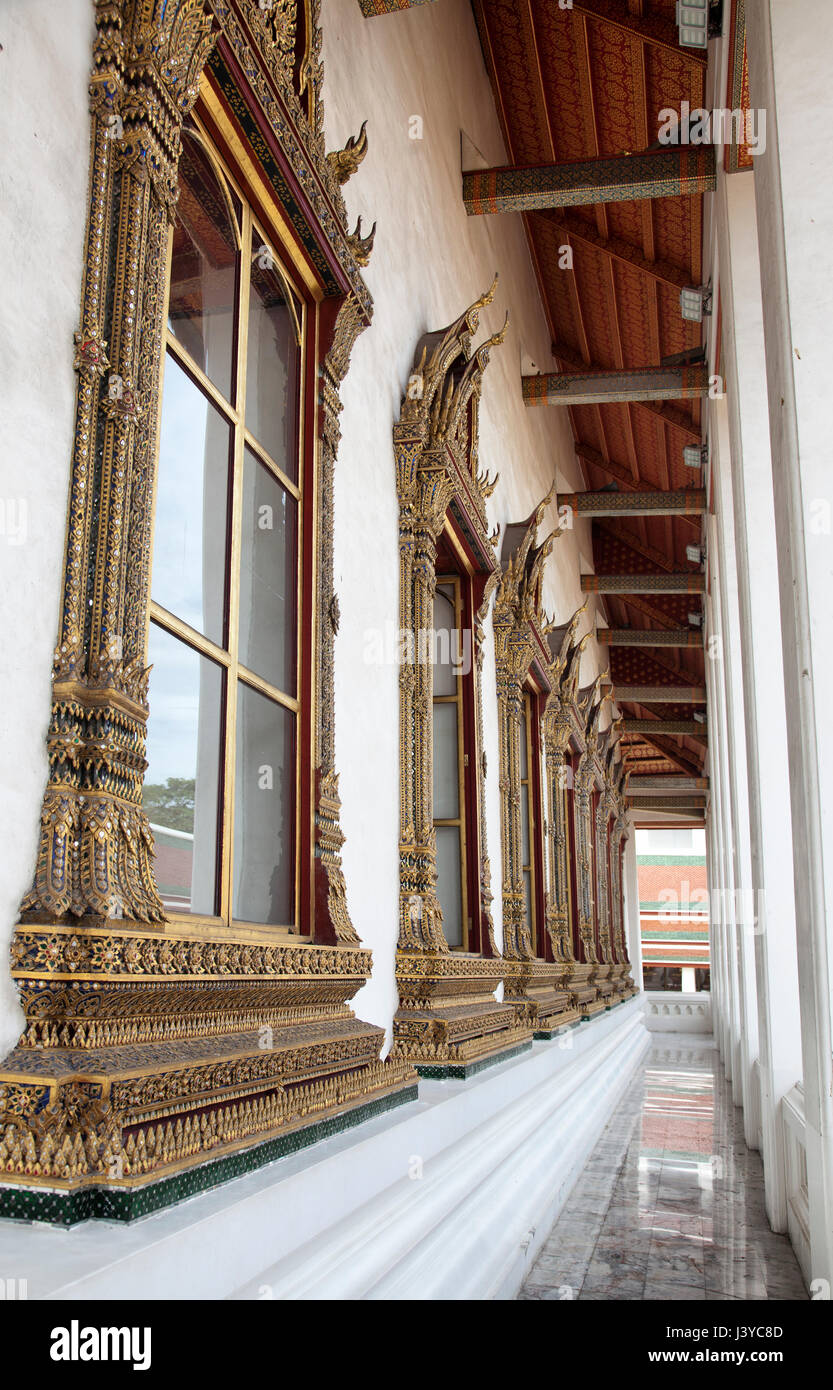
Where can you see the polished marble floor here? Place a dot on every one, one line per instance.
(671, 1203)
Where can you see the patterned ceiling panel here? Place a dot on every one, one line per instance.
(619, 553)
(595, 292)
(521, 103)
(658, 610)
(635, 306)
(617, 67)
(588, 431)
(636, 666)
(671, 78)
(559, 52)
(625, 220)
(616, 431)
(560, 302)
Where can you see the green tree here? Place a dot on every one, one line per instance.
(171, 805)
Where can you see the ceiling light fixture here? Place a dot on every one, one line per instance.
(695, 302)
(695, 455)
(698, 21)
(693, 23)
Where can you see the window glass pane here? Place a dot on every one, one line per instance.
(448, 883)
(272, 360)
(445, 642)
(181, 790)
(264, 811)
(662, 977)
(525, 824)
(528, 896)
(268, 576)
(189, 543)
(524, 736)
(446, 765)
(203, 268)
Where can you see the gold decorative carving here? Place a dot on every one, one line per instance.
(571, 725)
(486, 895)
(346, 161)
(149, 1046)
(558, 725)
(584, 783)
(361, 246)
(520, 628)
(447, 1012)
(536, 986)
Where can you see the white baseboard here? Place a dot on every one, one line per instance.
(668, 1011)
(351, 1218)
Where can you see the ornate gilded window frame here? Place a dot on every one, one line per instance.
(571, 741)
(593, 802)
(560, 731)
(536, 971)
(616, 776)
(153, 1047)
(448, 1021)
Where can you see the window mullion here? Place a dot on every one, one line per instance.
(156, 442)
(528, 784)
(462, 808)
(234, 544)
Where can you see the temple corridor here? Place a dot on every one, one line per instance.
(671, 1203)
(416, 568)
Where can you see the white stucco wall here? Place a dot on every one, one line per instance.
(44, 67)
(429, 262)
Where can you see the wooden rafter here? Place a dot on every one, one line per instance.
(569, 224)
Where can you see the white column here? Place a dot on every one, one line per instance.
(689, 982)
(723, 651)
(718, 981)
(766, 773)
(789, 70)
(630, 890)
(716, 876)
(721, 994)
(722, 883)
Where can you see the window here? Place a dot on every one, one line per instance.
(222, 786)
(529, 818)
(449, 759)
(573, 885)
(532, 781)
(662, 977)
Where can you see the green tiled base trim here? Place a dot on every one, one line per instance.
(462, 1072)
(547, 1034)
(128, 1204)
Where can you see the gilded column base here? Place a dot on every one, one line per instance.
(583, 992)
(448, 1023)
(538, 990)
(618, 978)
(604, 985)
(154, 1066)
(628, 985)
